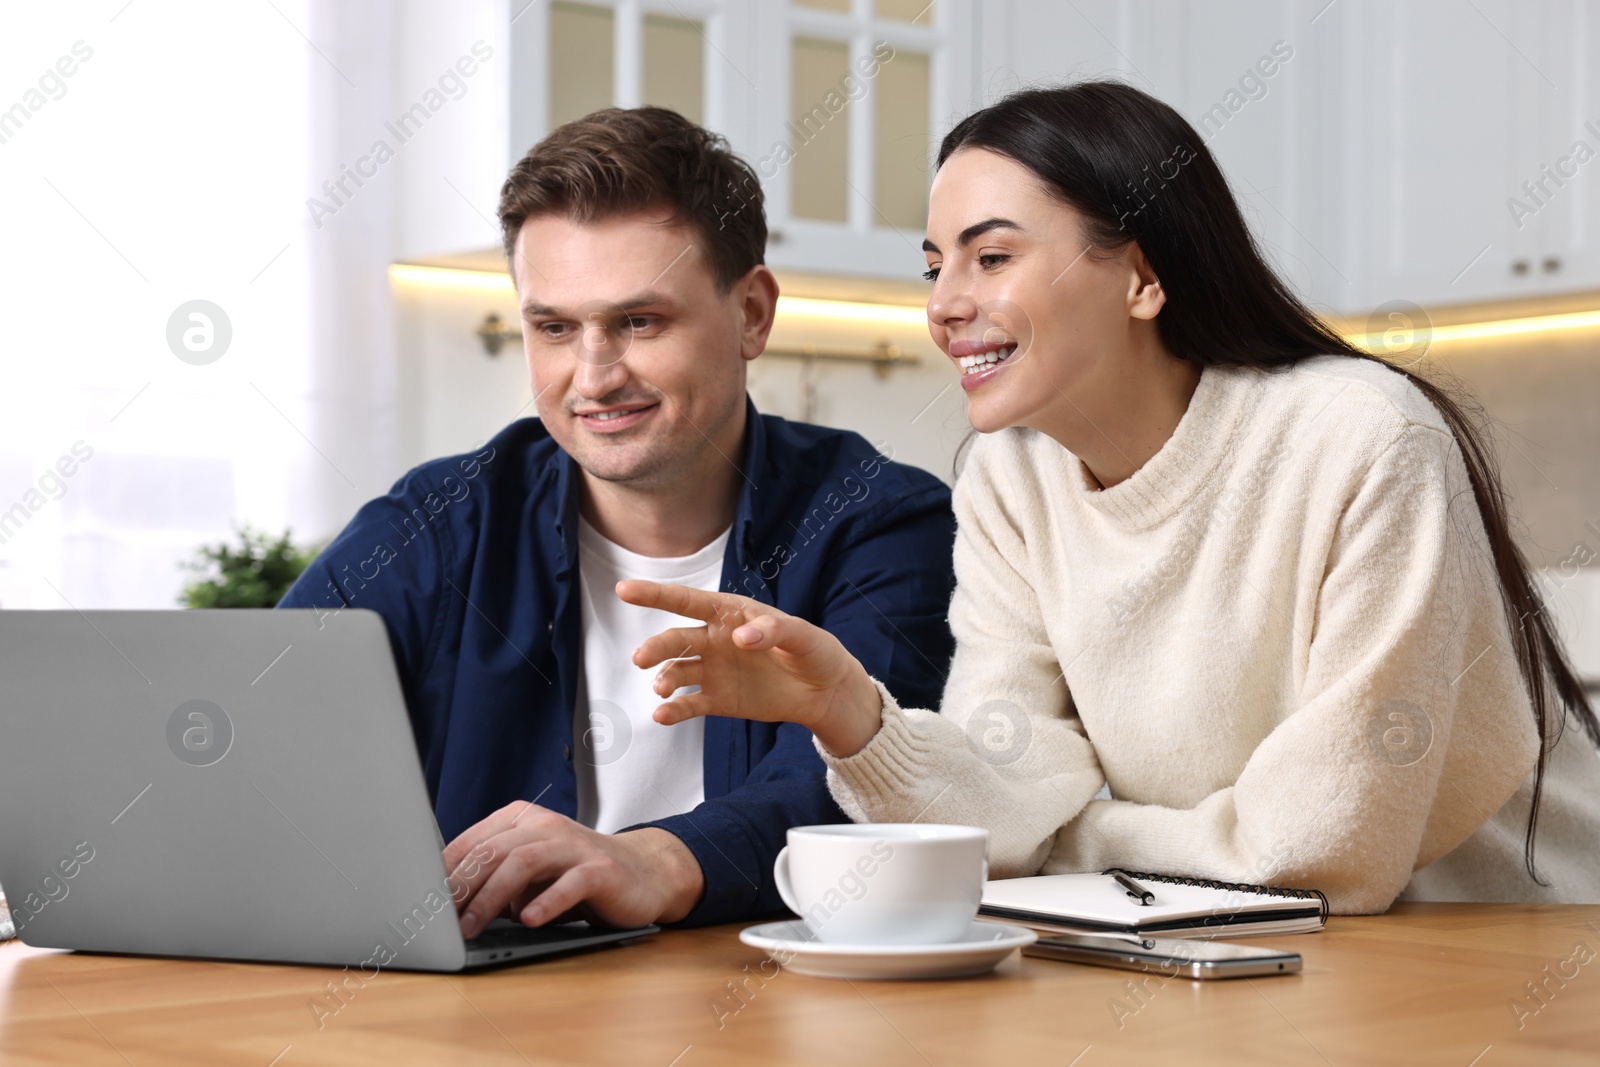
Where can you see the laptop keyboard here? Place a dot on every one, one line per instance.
(508, 933)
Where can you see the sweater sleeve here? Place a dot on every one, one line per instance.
(1358, 784)
(1007, 751)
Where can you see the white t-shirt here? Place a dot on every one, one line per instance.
(631, 769)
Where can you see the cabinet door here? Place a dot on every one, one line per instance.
(1263, 82)
(1580, 47)
(836, 103)
(1486, 178)
(1254, 80)
(1390, 155)
(1557, 201)
(1436, 99)
(571, 57)
(850, 99)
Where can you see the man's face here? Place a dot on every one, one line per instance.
(637, 362)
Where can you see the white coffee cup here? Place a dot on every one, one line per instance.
(884, 883)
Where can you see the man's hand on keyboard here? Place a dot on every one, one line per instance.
(532, 864)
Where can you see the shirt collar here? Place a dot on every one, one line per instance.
(755, 470)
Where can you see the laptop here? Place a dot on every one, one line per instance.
(230, 784)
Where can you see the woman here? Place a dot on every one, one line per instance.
(1255, 581)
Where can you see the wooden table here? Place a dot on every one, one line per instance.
(1425, 984)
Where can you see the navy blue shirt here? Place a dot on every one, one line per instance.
(472, 563)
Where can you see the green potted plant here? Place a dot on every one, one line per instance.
(254, 573)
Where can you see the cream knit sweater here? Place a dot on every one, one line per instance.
(1280, 644)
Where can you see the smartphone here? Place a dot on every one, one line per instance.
(1168, 957)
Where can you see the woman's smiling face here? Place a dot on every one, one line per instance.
(1031, 317)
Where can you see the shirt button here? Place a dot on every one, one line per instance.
(550, 627)
(566, 752)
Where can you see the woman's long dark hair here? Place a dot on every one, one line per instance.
(1139, 173)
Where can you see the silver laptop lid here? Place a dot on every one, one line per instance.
(234, 784)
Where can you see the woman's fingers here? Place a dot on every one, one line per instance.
(676, 599)
(715, 609)
(757, 630)
(670, 645)
(682, 709)
(789, 634)
(677, 674)
(790, 670)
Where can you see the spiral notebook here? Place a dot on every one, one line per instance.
(1183, 907)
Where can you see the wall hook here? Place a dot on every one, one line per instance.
(494, 333)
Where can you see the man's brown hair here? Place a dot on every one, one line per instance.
(620, 160)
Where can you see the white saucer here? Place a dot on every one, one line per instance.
(978, 951)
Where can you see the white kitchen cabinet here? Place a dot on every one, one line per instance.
(1384, 157)
(1379, 161)
(1255, 79)
(1562, 101)
(1450, 118)
(1433, 121)
(450, 69)
(570, 58)
(836, 103)
(1260, 82)
(848, 114)
(1463, 110)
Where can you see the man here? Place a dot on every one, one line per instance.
(635, 240)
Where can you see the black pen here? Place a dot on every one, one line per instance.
(1134, 889)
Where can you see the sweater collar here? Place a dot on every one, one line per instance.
(1167, 481)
